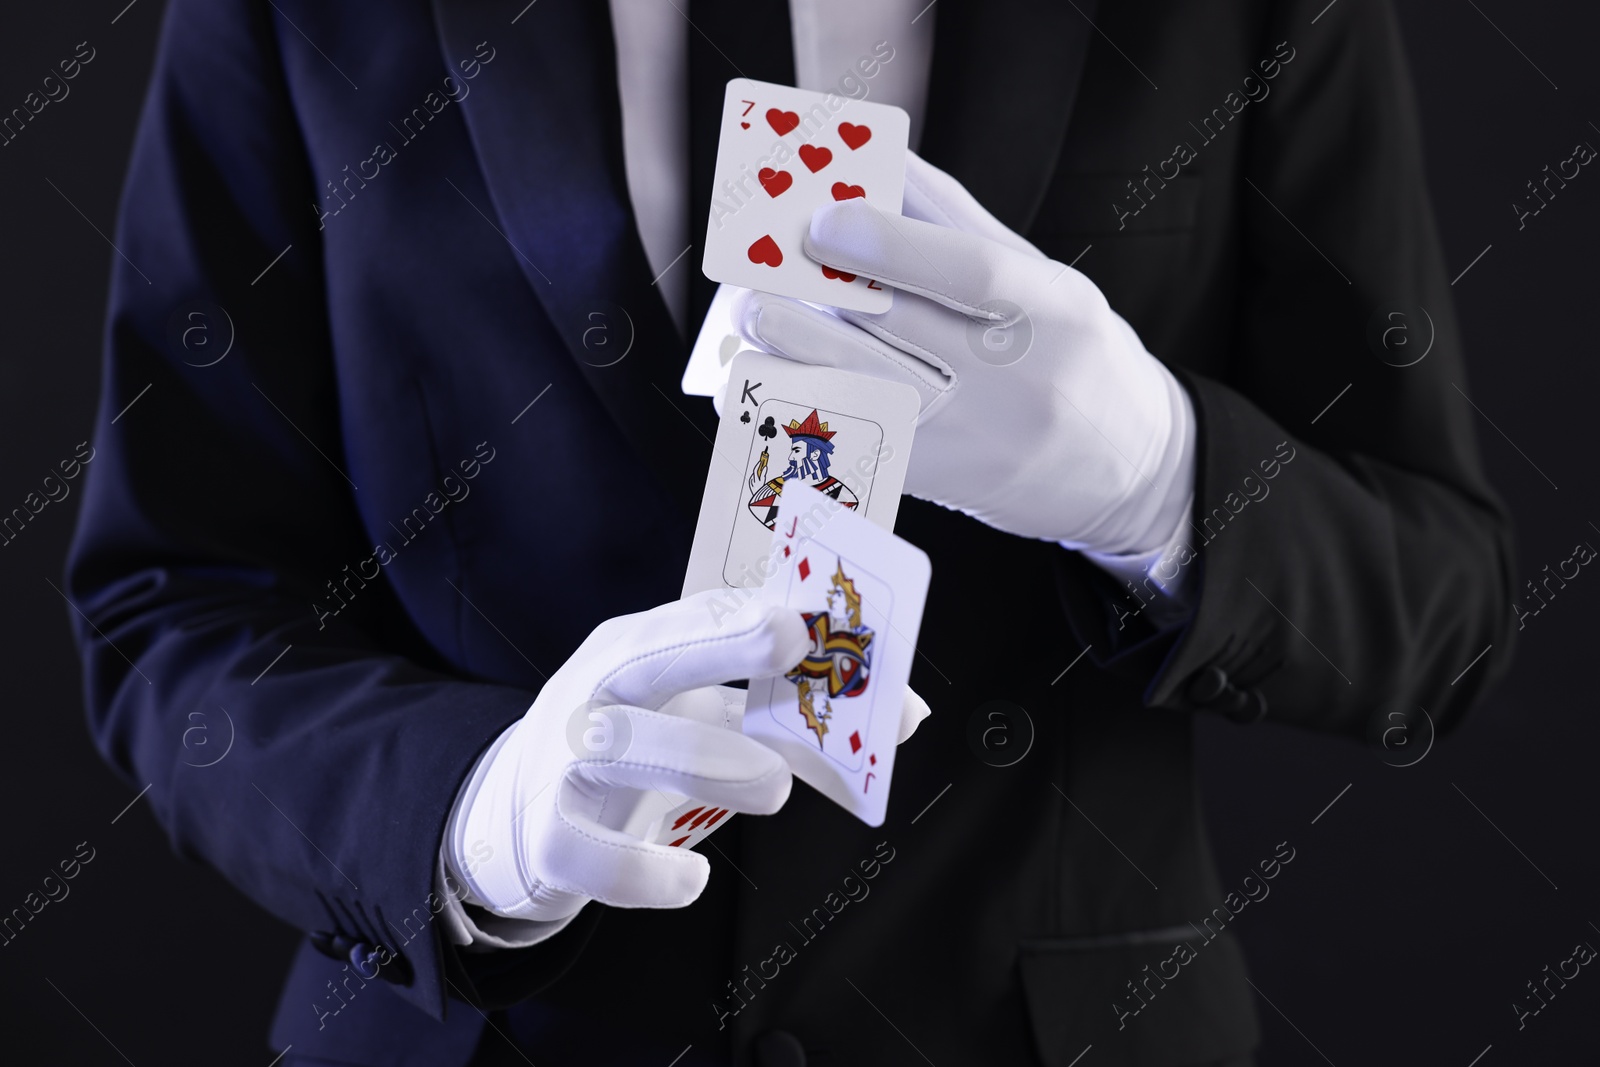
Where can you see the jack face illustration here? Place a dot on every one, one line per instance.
(810, 454)
(840, 656)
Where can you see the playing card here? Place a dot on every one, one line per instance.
(783, 153)
(789, 427)
(688, 824)
(714, 348)
(673, 820)
(835, 717)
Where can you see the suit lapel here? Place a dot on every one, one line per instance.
(546, 125)
(1004, 79)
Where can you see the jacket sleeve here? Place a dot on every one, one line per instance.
(1354, 562)
(219, 506)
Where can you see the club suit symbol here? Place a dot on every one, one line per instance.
(810, 453)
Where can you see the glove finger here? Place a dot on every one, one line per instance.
(577, 853)
(715, 705)
(963, 271)
(799, 332)
(715, 636)
(677, 755)
(933, 196)
(912, 712)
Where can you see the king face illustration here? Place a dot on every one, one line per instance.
(839, 661)
(810, 453)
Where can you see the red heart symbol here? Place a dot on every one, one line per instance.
(766, 251)
(853, 135)
(775, 181)
(841, 191)
(815, 158)
(782, 121)
(829, 272)
(744, 125)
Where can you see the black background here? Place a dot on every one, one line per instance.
(1418, 905)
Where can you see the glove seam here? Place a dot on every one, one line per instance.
(927, 354)
(943, 393)
(888, 353)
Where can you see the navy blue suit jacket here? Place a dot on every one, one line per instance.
(358, 242)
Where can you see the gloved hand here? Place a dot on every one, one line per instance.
(635, 710)
(1042, 413)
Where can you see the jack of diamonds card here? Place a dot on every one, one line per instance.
(835, 716)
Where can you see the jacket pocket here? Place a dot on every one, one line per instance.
(1153, 998)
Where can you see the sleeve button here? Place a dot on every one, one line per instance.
(334, 946)
(1247, 707)
(364, 959)
(1208, 684)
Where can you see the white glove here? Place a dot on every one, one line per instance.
(1042, 413)
(635, 710)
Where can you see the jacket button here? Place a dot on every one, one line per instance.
(1234, 703)
(779, 1048)
(364, 960)
(333, 946)
(1246, 707)
(1208, 684)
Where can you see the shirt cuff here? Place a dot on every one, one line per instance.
(1160, 578)
(481, 930)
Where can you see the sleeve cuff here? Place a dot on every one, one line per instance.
(1173, 582)
(480, 930)
(1157, 575)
